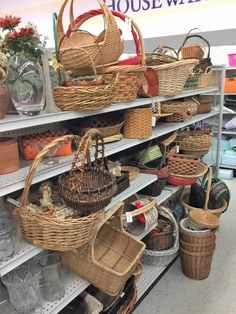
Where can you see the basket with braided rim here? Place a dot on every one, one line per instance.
(173, 76)
(183, 164)
(88, 187)
(138, 122)
(177, 117)
(49, 232)
(104, 49)
(194, 141)
(131, 75)
(160, 56)
(175, 106)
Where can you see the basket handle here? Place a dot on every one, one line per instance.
(141, 210)
(197, 36)
(59, 23)
(208, 188)
(83, 148)
(137, 35)
(167, 211)
(208, 69)
(36, 163)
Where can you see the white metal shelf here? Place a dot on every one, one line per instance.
(14, 181)
(27, 251)
(228, 166)
(148, 277)
(228, 132)
(15, 122)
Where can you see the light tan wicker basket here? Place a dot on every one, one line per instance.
(183, 164)
(206, 79)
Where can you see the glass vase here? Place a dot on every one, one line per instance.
(26, 85)
(52, 288)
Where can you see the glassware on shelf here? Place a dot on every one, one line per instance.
(23, 287)
(26, 85)
(9, 238)
(52, 287)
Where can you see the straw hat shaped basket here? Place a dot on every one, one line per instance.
(217, 211)
(48, 232)
(110, 258)
(106, 48)
(88, 187)
(130, 75)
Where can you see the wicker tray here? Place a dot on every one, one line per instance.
(111, 256)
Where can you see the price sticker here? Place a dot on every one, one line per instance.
(177, 149)
(129, 217)
(154, 120)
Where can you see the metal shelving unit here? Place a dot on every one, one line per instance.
(15, 181)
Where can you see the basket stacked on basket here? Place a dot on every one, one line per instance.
(161, 55)
(88, 187)
(179, 110)
(163, 257)
(196, 250)
(194, 142)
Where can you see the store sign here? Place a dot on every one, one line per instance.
(146, 5)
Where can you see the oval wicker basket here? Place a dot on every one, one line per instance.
(107, 125)
(206, 79)
(175, 106)
(138, 122)
(197, 248)
(183, 164)
(49, 232)
(89, 187)
(104, 49)
(161, 55)
(173, 76)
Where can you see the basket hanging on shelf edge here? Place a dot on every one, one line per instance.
(108, 272)
(89, 187)
(104, 49)
(49, 232)
(130, 71)
(206, 79)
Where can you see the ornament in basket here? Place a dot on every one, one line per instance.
(48, 224)
(73, 46)
(88, 187)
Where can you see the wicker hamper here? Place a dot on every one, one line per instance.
(110, 257)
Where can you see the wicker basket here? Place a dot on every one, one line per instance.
(196, 265)
(160, 241)
(128, 306)
(132, 171)
(177, 117)
(173, 76)
(161, 55)
(197, 248)
(193, 80)
(163, 258)
(194, 141)
(138, 122)
(138, 271)
(88, 188)
(49, 232)
(107, 125)
(196, 153)
(217, 211)
(104, 49)
(183, 164)
(176, 106)
(111, 256)
(206, 79)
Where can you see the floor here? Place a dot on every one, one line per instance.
(176, 294)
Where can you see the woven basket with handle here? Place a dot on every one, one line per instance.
(88, 187)
(49, 232)
(206, 79)
(161, 55)
(183, 164)
(103, 49)
(111, 256)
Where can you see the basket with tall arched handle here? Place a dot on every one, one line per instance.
(41, 227)
(110, 44)
(88, 187)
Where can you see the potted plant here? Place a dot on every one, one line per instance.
(4, 94)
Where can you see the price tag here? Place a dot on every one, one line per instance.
(129, 217)
(177, 149)
(154, 120)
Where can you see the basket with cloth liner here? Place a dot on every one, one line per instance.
(76, 43)
(131, 71)
(163, 257)
(203, 203)
(107, 125)
(110, 258)
(88, 187)
(40, 227)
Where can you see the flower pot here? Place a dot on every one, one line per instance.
(4, 101)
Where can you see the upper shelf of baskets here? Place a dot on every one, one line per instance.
(15, 181)
(15, 122)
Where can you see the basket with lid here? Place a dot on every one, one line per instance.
(110, 257)
(88, 187)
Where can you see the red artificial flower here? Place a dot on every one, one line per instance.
(9, 22)
(22, 32)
